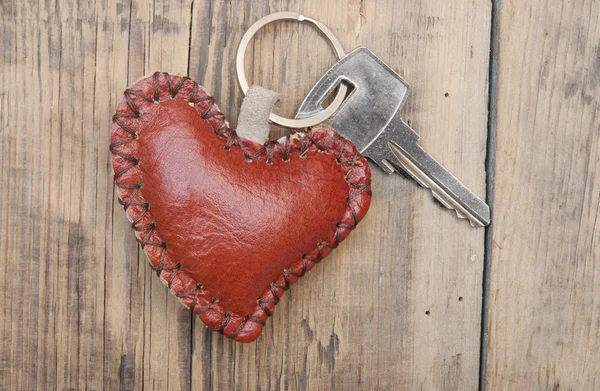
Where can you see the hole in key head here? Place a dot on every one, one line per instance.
(329, 99)
(296, 42)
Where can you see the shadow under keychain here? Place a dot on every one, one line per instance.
(228, 220)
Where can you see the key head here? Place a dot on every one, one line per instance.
(377, 94)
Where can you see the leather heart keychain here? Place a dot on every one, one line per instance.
(229, 224)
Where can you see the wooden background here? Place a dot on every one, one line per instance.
(505, 94)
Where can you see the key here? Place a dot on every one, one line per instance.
(370, 117)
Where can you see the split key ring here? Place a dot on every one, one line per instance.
(317, 118)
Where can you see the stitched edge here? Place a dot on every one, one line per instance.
(137, 209)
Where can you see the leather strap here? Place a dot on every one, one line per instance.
(253, 121)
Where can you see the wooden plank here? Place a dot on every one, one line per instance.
(80, 306)
(545, 248)
(76, 298)
(159, 39)
(153, 350)
(123, 351)
(398, 305)
(52, 328)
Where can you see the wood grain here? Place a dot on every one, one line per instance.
(545, 238)
(398, 305)
(359, 320)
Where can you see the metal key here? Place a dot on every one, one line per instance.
(370, 118)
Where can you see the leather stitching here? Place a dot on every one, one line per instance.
(271, 149)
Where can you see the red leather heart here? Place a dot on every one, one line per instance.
(229, 224)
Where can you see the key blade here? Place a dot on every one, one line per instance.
(448, 190)
(397, 150)
(467, 205)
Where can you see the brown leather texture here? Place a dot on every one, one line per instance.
(229, 224)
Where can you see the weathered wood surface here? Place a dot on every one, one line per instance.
(399, 304)
(360, 320)
(544, 313)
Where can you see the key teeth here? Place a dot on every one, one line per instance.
(440, 199)
(437, 196)
(475, 225)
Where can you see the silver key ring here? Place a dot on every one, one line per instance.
(337, 47)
